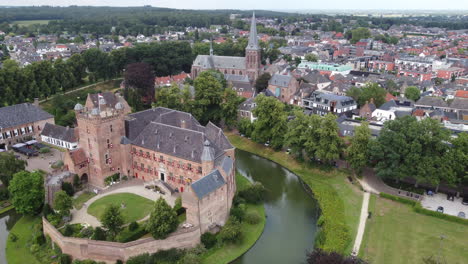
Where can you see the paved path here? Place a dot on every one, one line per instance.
(78, 89)
(362, 223)
(82, 216)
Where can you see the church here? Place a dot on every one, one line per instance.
(250, 65)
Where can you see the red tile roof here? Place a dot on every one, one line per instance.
(461, 93)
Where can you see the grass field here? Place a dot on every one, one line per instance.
(18, 252)
(31, 22)
(136, 207)
(250, 233)
(397, 234)
(331, 183)
(81, 199)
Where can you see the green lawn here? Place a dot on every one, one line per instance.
(82, 198)
(136, 207)
(340, 201)
(397, 234)
(18, 252)
(250, 233)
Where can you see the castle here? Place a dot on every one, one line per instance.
(250, 65)
(159, 145)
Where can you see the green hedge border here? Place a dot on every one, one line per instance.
(419, 209)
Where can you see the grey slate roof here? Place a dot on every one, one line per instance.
(175, 133)
(109, 97)
(223, 62)
(227, 165)
(59, 132)
(280, 80)
(432, 101)
(459, 103)
(19, 114)
(208, 184)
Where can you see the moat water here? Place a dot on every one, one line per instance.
(7, 221)
(291, 212)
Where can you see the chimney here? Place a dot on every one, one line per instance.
(183, 124)
(36, 101)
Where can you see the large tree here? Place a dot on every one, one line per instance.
(163, 220)
(319, 256)
(112, 220)
(410, 148)
(358, 150)
(368, 92)
(412, 93)
(330, 145)
(27, 192)
(312, 135)
(140, 78)
(262, 82)
(229, 105)
(294, 137)
(358, 34)
(271, 123)
(209, 88)
(63, 203)
(9, 165)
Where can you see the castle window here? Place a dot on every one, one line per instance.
(233, 72)
(111, 130)
(141, 152)
(107, 158)
(147, 154)
(142, 166)
(161, 158)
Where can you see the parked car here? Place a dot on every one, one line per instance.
(267, 144)
(440, 209)
(461, 215)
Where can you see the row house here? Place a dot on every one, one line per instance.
(322, 103)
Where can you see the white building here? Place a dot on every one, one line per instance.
(63, 137)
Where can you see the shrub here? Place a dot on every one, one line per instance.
(125, 178)
(231, 232)
(39, 239)
(163, 220)
(68, 188)
(54, 219)
(119, 262)
(44, 150)
(99, 234)
(76, 181)
(238, 212)
(57, 165)
(252, 218)
(127, 236)
(65, 259)
(208, 239)
(13, 237)
(4, 194)
(47, 210)
(34, 248)
(398, 199)
(419, 209)
(191, 258)
(238, 200)
(132, 226)
(68, 230)
(87, 232)
(253, 194)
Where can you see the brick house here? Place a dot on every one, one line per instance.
(283, 87)
(22, 122)
(449, 72)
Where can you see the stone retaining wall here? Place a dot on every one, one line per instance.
(81, 248)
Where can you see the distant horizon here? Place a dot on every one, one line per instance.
(294, 6)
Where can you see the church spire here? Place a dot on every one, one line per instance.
(253, 38)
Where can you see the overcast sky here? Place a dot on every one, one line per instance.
(260, 4)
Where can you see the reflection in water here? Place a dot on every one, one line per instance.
(291, 213)
(7, 221)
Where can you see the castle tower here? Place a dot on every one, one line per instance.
(100, 132)
(253, 52)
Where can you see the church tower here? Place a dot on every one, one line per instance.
(253, 52)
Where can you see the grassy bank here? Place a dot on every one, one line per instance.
(81, 199)
(398, 234)
(340, 201)
(250, 233)
(18, 252)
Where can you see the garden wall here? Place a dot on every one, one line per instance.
(81, 248)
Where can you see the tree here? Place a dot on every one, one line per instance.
(391, 86)
(330, 145)
(112, 220)
(10, 165)
(410, 148)
(312, 135)
(358, 151)
(271, 123)
(63, 203)
(294, 137)
(457, 160)
(412, 93)
(364, 94)
(140, 78)
(262, 82)
(209, 88)
(311, 57)
(163, 220)
(358, 34)
(229, 107)
(318, 256)
(27, 192)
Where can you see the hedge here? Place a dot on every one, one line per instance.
(419, 209)
(398, 199)
(127, 235)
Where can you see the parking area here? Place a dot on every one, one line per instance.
(440, 199)
(42, 161)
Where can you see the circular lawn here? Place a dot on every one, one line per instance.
(135, 207)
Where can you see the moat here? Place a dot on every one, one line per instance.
(291, 211)
(291, 214)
